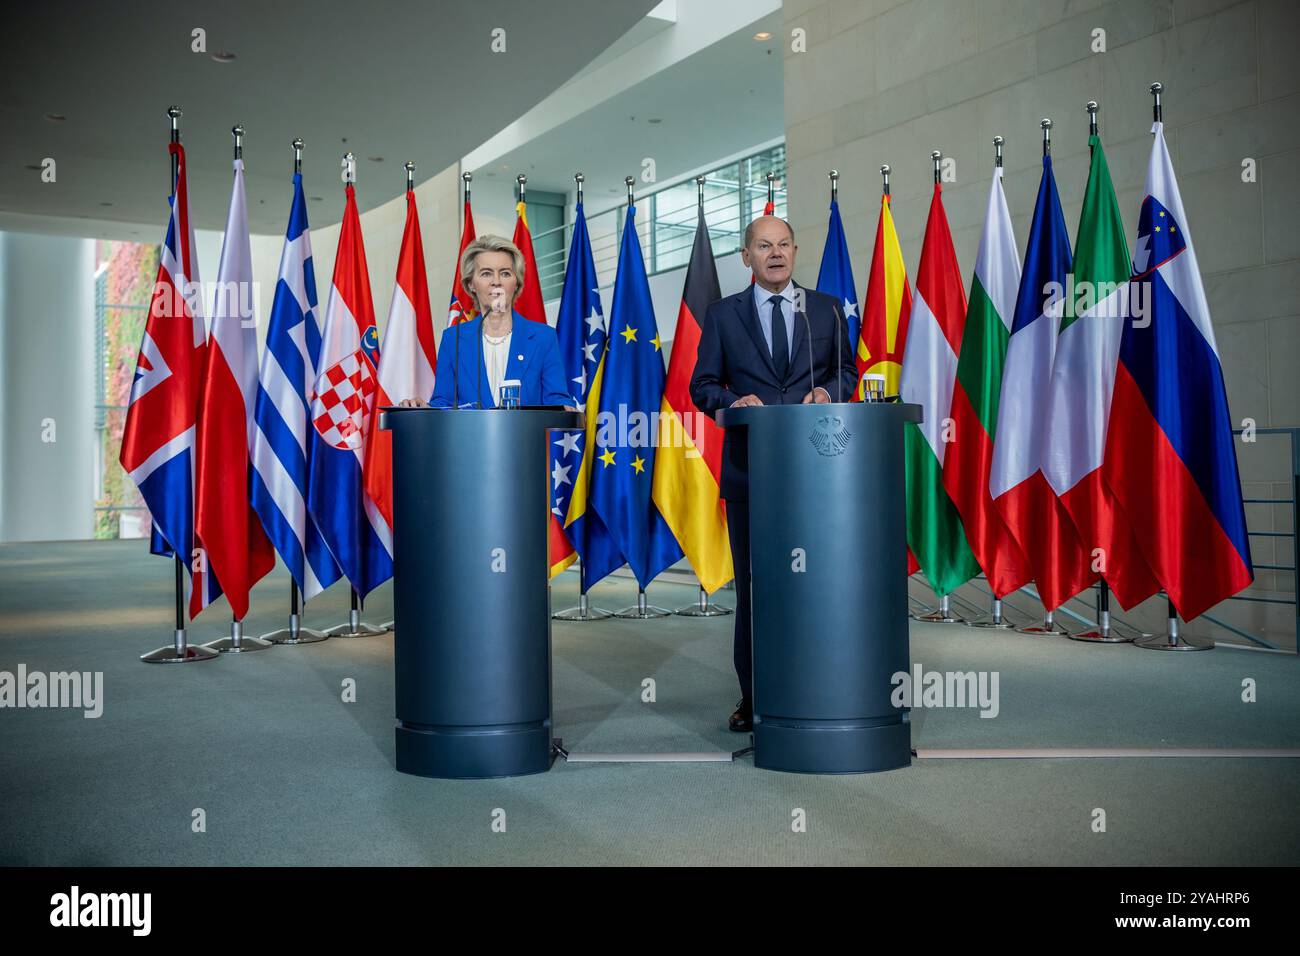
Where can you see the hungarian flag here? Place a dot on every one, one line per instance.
(227, 528)
(158, 442)
(408, 357)
(887, 308)
(984, 338)
(1083, 380)
(1041, 526)
(462, 303)
(529, 304)
(688, 464)
(342, 413)
(1170, 455)
(934, 529)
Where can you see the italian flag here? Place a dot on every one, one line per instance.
(934, 528)
(975, 398)
(1082, 383)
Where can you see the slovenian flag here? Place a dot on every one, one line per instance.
(1170, 458)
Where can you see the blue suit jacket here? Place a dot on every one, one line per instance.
(733, 361)
(534, 360)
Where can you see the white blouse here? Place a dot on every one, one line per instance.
(496, 355)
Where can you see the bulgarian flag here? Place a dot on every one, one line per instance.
(461, 308)
(1083, 381)
(887, 307)
(934, 529)
(975, 398)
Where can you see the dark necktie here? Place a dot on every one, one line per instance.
(780, 344)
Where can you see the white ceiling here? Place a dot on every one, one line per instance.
(400, 80)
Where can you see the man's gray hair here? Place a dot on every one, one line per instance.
(749, 230)
(490, 243)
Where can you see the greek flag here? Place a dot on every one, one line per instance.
(285, 381)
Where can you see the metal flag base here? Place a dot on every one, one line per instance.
(992, 619)
(236, 643)
(355, 627)
(642, 611)
(943, 614)
(583, 612)
(702, 608)
(1102, 633)
(1172, 640)
(295, 633)
(179, 653)
(1048, 626)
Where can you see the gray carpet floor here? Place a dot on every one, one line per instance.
(287, 773)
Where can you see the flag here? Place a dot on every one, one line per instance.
(408, 360)
(281, 419)
(581, 331)
(158, 440)
(1170, 459)
(462, 303)
(835, 277)
(358, 535)
(888, 305)
(226, 527)
(688, 461)
(769, 209)
(934, 529)
(975, 395)
(1083, 379)
(529, 303)
(1060, 566)
(633, 389)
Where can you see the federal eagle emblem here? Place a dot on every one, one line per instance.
(829, 436)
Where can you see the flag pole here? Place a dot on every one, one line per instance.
(1102, 633)
(179, 651)
(642, 610)
(703, 607)
(584, 611)
(295, 633)
(943, 614)
(994, 618)
(771, 189)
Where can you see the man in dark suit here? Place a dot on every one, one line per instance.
(755, 350)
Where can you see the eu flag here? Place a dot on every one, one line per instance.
(836, 274)
(632, 391)
(581, 330)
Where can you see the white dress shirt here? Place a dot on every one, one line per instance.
(496, 355)
(763, 300)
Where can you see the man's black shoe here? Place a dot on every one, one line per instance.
(742, 721)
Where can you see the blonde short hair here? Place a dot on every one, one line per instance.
(490, 243)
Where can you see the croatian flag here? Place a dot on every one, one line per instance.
(1170, 458)
(281, 420)
(159, 437)
(342, 416)
(409, 357)
(1021, 494)
(228, 531)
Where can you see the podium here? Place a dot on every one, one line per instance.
(471, 590)
(828, 559)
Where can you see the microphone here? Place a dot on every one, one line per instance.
(478, 384)
(455, 371)
(839, 355)
(812, 377)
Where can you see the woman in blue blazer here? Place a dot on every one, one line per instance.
(476, 357)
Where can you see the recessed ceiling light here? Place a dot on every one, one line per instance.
(55, 117)
(34, 166)
(375, 159)
(762, 36)
(654, 119)
(225, 56)
(106, 204)
(316, 198)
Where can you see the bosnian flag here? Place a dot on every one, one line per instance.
(281, 422)
(409, 357)
(1170, 458)
(158, 440)
(342, 416)
(1083, 377)
(1021, 494)
(236, 548)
